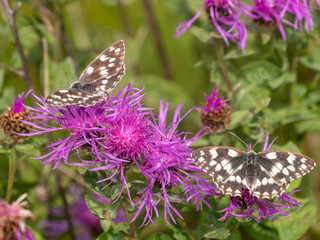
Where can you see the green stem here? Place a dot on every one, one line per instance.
(222, 64)
(12, 169)
(133, 233)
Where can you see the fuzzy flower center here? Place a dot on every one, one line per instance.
(128, 136)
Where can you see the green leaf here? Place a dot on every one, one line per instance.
(91, 179)
(202, 35)
(105, 224)
(297, 222)
(260, 71)
(219, 233)
(29, 149)
(238, 117)
(39, 141)
(260, 231)
(121, 227)
(99, 209)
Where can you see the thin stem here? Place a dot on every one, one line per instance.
(235, 226)
(133, 233)
(222, 64)
(10, 69)
(11, 16)
(12, 169)
(157, 38)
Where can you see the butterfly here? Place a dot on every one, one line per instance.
(266, 174)
(97, 79)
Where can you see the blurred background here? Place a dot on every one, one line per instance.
(275, 84)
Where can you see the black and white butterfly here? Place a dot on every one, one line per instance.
(97, 79)
(266, 174)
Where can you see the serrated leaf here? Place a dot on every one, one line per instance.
(219, 233)
(99, 209)
(29, 149)
(260, 71)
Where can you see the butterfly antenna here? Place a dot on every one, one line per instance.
(238, 138)
(67, 78)
(259, 140)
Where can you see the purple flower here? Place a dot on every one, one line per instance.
(10, 120)
(17, 106)
(278, 12)
(217, 113)
(167, 166)
(225, 16)
(13, 220)
(85, 224)
(213, 102)
(248, 206)
(127, 139)
(87, 126)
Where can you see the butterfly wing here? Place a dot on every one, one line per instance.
(98, 78)
(224, 165)
(82, 96)
(278, 169)
(107, 64)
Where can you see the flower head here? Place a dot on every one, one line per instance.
(167, 166)
(248, 206)
(13, 220)
(10, 121)
(217, 113)
(87, 126)
(225, 17)
(271, 13)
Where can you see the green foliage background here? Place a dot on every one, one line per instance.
(275, 89)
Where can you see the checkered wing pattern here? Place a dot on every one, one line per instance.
(97, 79)
(266, 174)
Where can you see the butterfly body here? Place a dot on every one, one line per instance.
(266, 174)
(97, 79)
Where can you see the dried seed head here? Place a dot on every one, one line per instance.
(218, 119)
(10, 120)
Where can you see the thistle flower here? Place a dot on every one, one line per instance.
(127, 139)
(13, 220)
(86, 126)
(167, 166)
(249, 206)
(225, 17)
(217, 113)
(10, 121)
(85, 224)
(272, 13)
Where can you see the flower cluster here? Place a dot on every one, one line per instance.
(225, 16)
(118, 133)
(13, 220)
